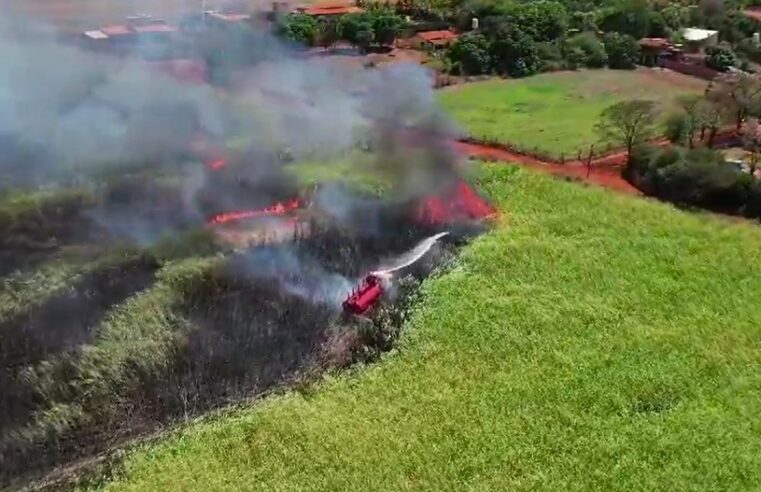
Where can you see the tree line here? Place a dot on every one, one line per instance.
(691, 171)
(378, 26)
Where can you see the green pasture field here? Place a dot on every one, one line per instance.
(591, 341)
(556, 113)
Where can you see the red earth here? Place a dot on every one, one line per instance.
(605, 171)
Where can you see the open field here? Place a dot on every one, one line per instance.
(555, 113)
(591, 342)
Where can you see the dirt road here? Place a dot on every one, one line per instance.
(605, 171)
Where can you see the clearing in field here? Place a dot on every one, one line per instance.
(591, 342)
(556, 113)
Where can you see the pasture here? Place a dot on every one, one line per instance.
(555, 113)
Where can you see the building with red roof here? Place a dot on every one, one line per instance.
(434, 39)
(329, 8)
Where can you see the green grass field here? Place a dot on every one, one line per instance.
(555, 113)
(591, 342)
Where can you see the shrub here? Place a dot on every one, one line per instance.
(720, 58)
(471, 55)
(299, 28)
(677, 127)
(586, 50)
(699, 177)
(622, 50)
(514, 53)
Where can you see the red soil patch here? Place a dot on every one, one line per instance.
(605, 172)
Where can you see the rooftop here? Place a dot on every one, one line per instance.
(695, 34)
(753, 12)
(655, 43)
(154, 28)
(329, 7)
(229, 17)
(96, 34)
(337, 10)
(437, 37)
(116, 30)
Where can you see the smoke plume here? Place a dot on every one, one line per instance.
(67, 114)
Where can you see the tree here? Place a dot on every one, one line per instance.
(720, 58)
(622, 50)
(629, 123)
(386, 25)
(514, 53)
(327, 33)
(712, 117)
(471, 54)
(364, 37)
(299, 28)
(349, 25)
(542, 20)
(630, 17)
(738, 93)
(691, 107)
(587, 50)
(751, 141)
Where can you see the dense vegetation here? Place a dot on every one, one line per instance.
(378, 26)
(551, 35)
(698, 177)
(691, 172)
(592, 341)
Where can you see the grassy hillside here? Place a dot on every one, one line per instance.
(555, 113)
(591, 342)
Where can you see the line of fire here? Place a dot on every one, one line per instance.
(456, 210)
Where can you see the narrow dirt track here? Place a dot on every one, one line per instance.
(605, 171)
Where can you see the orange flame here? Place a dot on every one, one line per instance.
(278, 208)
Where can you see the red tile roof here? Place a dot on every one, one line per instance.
(116, 30)
(332, 10)
(154, 28)
(437, 37)
(655, 43)
(753, 12)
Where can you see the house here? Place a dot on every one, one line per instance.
(434, 40)
(223, 19)
(697, 40)
(144, 35)
(329, 8)
(654, 50)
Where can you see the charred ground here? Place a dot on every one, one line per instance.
(150, 317)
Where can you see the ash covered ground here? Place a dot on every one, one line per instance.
(161, 255)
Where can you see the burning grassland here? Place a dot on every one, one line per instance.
(144, 338)
(161, 272)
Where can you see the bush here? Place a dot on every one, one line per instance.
(677, 127)
(585, 50)
(470, 54)
(622, 51)
(514, 53)
(550, 56)
(299, 28)
(720, 58)
(699, 177)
